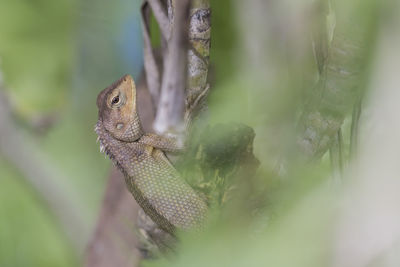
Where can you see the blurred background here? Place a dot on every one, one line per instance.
(317, 81)
(55, 57)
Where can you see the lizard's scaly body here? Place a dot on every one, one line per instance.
(153, 181)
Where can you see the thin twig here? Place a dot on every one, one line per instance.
(161, 17)
(150, 64)
(198, 57)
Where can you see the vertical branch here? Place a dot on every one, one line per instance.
(185, 64)
(150, 64)
(198, 57)
(161, 17)
(170, 111)
(170, 9)
(174, 21)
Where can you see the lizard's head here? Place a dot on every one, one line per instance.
(117, 110)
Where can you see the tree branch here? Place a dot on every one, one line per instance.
(171, 106)
(198, 58)
(161, 17)
(151, 68)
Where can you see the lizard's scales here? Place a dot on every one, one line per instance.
(164, 195)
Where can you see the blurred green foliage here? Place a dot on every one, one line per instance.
(264, 72)
(36, 52)
(29, 235)
(57, 55)
(36, 59)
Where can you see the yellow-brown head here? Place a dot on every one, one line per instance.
(117, 110)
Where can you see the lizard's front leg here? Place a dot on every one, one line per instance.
(167, 144)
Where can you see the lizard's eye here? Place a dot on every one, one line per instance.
(115, 100)
(118, 100)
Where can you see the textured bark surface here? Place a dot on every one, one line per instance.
(198, 58)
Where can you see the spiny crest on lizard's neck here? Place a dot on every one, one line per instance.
(105, 139)
(111, 147)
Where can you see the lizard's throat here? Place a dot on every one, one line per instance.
(108, 143)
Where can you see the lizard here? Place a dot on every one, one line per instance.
(150, 177)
